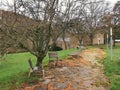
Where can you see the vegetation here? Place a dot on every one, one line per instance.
(112, 67)
(55, 48)
(41, 21)
(14, 69)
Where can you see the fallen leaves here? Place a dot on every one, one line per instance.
(74, 73)
(72, 62)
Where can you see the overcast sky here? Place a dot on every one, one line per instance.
(112, 2)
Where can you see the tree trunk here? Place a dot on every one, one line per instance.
(91, 39)
(63, 37)
(65, 43)
(54, 46)
(54, 41)
(81, 41)
(39, 61)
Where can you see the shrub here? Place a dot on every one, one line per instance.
(55, 48)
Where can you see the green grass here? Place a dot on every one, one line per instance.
(14, 69)
(112, 67)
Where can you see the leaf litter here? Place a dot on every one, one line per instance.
(80, 71)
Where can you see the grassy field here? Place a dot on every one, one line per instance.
(112, 67)
(14, 69)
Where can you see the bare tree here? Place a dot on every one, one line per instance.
(92, 12)
(116, 11)
(34, 22)
(69, 12)
(34, 32)
(78, 25)
(61, 20)
(78, 29)
(116, 21)
(56, 27)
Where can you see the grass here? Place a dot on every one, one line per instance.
(14, 69)
(112, 67)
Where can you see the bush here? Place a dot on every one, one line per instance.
(54, 48)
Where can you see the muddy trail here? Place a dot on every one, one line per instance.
(79, 71)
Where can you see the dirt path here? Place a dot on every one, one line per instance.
(80, 72)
